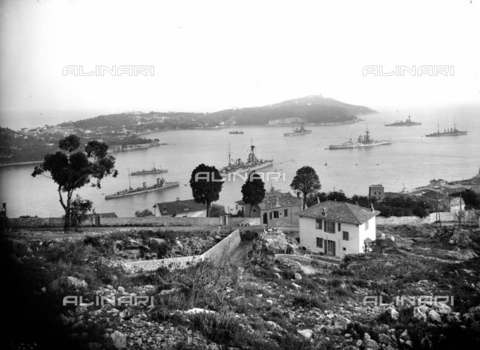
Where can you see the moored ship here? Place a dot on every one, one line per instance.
(299, 131)
(160, 185)
(252, 163)
(152, 171)
(447, 132)
(363, 141)
(406, 122)
(236, 132)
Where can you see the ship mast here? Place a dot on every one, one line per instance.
(229, 155)
(129, 183)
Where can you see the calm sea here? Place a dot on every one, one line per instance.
(412, 160)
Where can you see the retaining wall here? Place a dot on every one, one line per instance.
(34, 222)
(218, 253)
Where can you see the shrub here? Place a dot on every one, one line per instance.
(309, 300)
(143, 213)
(248, 235)
(220, 328)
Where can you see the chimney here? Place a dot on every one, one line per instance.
(277, 201)
(144, 184)
(373, 209)
(324, 211)
(178, 199)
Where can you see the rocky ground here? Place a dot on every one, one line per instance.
(261, 301)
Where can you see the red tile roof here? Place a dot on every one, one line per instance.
(340, 212)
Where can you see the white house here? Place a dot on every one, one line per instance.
(337, 228)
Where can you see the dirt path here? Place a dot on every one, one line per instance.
(434, 258)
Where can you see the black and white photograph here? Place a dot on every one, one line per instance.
(240, 174)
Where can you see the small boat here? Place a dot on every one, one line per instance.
(236, 132)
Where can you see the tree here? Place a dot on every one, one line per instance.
(79, 209)
(143, 213)
(306, 181)
(253, 190)
(337, 196)
(72, 168)
(206, 183)
(471, 199)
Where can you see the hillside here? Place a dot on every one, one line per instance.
(267, 300)
(312, 109)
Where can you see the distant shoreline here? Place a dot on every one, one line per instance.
(32, 162)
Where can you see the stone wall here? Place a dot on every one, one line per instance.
(218, 253)
(35, 222)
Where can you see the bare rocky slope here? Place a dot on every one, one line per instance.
(260, 301)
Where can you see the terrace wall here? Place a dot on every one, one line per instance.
(218, 253)
(35, 222)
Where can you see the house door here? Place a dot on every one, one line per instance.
(265, 218)
(330, 248)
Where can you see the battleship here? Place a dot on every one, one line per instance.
(406, 122)
(160, 185)
(236, 132)
(363, 141)
(447, 132)
(253, 163)
(299, 131)
(152, 171)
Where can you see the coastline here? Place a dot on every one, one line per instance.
(31, 162)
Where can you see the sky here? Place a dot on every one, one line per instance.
(208, 55)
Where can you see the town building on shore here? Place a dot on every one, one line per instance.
(276, 209)
(337, 228)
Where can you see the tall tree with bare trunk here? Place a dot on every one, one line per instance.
(74, 166)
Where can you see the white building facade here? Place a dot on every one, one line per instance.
(337, 229)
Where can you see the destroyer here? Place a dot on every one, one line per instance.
(252, 163)
(159, 186)
(299, 131)
(363, 141)
(152, 171)
(447, 132)
(406, 122)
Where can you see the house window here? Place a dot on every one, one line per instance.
(275, 214)
(319, 242)
(345, 236)
(285, 212)
(339, 227)
(330, 227)
(318, 224)
(366, 225)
